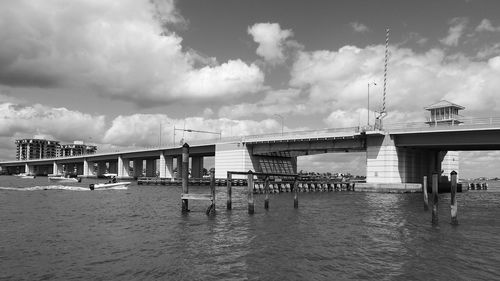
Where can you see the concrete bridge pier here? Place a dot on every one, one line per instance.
(101, 168)
(197, 167)
(138, 167)
(151, 167)
(123, 168)
(166, 166)
(113, 167)
(57, 169)
(88, 169)
(388, 164)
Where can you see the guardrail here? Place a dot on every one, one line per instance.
(463, 123)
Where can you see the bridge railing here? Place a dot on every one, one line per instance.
(463, 123)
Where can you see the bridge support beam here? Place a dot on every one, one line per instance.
(166, 166)
(138, 166)
(101, 168)
(123, 168)
(386, 163)
(150, 167)
(232, 157)
(197, 167)
(57, 169)
(113, 167)
(88, 168)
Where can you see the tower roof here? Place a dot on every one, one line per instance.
(443, 104)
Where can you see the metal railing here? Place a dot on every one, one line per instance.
(462, 124)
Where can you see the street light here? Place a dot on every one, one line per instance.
(282, 121)
(368, 107)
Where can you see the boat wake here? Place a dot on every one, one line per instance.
(56, 187)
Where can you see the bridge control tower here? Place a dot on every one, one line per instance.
(444, 113)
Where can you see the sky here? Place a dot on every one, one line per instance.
(112, 73)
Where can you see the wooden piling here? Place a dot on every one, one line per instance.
(453, 205)
(266, 191)
(229, 202)
(251, 207)
(426, 196)
(296, 194)
(211, 208)
(185, 176)
(434, 198)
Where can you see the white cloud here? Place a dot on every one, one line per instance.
(359, 27)
(455, 31)
(337, 81)
(486, 25)
(271, 39)
(18, 121)
(116, 48)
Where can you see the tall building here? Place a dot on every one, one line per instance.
(40, 148)
(76, 148)
(36, 149)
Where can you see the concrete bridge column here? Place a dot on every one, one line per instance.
(79, 168)
(123, 167)
(138, 167)
(150, 167)
(113, 167)
(383, 160)
(197, 167)
(101, 168)
(232, 157)
(166, 166)
(57, 169)
(88, 168)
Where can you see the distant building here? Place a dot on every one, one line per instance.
(41, 148)
(76, 148)
(444, 113)
(36, 149)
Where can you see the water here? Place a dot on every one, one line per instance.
(51, 232)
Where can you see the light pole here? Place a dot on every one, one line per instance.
(368, 107)
(282, 121)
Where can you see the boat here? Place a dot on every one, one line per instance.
(64, 179)
(109, 175)
(108, 185)
(27, 176)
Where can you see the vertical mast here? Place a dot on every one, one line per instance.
(385, 70)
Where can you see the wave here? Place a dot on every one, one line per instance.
(57, 187)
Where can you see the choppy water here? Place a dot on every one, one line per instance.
(51, 232)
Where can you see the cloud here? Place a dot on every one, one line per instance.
(121, 49)
(18, 121)
(486, 25)
(359, 27)
(455, 31)
(337, 81)
(271, 39)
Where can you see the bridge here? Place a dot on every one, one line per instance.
(397, 154)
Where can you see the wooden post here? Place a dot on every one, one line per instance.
(266, 191)
(211, 208)
(296, 193)
(453, 205)
(185, 176)
(434, 198)
(229, 202)
(251, 206)
(426, 196)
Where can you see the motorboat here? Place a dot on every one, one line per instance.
(27, 176)
(109, 175)
(64, 179)
(109, 185)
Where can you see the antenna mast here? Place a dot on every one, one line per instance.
(383, 112)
